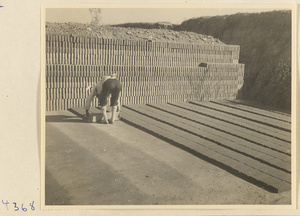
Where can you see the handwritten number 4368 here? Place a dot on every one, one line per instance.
(17, 208)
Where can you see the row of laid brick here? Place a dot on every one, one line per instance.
(69, 93)
(240, 105)
(221, 137)
(63, 67)
(88, 54)
(53, 82)
(61, 58)
(136, 50)
(192, 78)
(198, 84)
(80, 82)
(143, 80)
(155, 76)
(211, 109)
(216, 67)
(234, 162)
(173, 98)
(181, 88)
(93, 48)
(90, 71)
(73, 57)
(262, 154)
(147, 86)
(157, 91)
(66, 82)
(84, 71)
(90, 41)
(285, 126)
(149, 89)
(64, 104)
(178, 89)
(228, 123)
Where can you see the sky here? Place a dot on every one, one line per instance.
(110, 16)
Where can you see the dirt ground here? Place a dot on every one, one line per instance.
(96, 164)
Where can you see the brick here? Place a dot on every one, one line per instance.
(136, 53)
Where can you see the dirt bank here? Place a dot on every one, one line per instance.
(162, 35)
(265, 41)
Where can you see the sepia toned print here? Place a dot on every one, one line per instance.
(203, 116)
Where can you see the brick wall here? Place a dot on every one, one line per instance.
(150, 72)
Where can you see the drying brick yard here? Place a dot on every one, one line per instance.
(182, 137)
(169, 154)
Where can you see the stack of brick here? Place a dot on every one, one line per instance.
(151, 72)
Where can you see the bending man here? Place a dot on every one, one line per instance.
(109, 85)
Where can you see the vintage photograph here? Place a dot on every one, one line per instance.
(164, 106)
